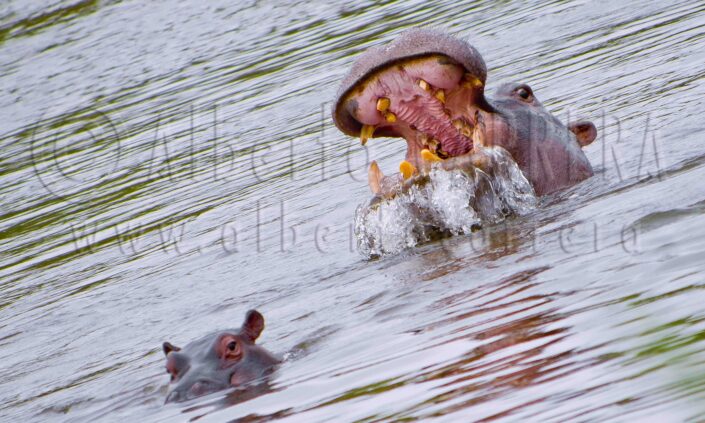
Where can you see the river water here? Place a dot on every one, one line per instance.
(165, 166)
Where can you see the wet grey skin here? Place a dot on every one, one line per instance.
(218, 361)
(390, 92)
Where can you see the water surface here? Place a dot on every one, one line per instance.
(165, 166)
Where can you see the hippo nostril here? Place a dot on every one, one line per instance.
(202, 388)
(197, 389)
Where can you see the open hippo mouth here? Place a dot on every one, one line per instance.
(433, 98)
(429, 88)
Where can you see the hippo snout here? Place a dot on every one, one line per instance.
(193, 390)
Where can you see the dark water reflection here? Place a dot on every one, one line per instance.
(166, 166)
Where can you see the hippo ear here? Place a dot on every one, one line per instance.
(167, 347)
(253, 325)
(584, 131)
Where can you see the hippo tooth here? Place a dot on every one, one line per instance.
(374, 178)
(428, 143)
(428, 156)
(463, 127)
(441, 96)
(407, 169)
(383, 104)
(472, 80)
(478, 134)
(390, 117)
(424, 85)
(438, 150)
(366, 133)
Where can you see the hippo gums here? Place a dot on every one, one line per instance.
(429, 88)
(218, 361)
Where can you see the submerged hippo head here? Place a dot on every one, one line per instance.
(218, 361)
(429, 88)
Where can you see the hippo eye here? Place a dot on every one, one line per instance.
(232, 345)
(524, 93)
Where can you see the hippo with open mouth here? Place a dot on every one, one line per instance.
(429, 88)
(218, 361)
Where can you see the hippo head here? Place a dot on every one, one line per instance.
(218, 361)
(429, 88)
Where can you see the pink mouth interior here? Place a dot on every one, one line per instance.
(421, 117)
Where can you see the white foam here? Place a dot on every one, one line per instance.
(452, 201)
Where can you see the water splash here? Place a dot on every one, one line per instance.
(450, 203)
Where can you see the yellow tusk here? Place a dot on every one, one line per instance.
(374, 178)
(407, 169)
(424, 85)
(474, 81)
(383, 104)
(390, 117)
(428, 156)
(441, 96)
(366, 133)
